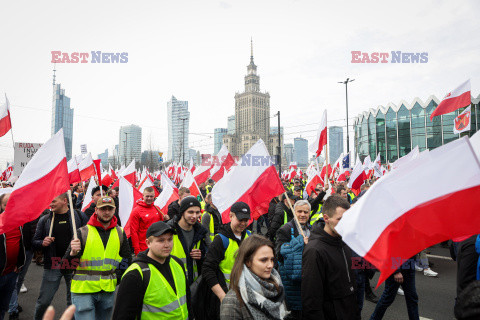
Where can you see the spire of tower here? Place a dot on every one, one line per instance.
(251, 50)
(53, 83)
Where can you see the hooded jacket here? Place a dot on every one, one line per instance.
(174, 209)
(142, 217)
(131, 291)
(278, 219)
(212, 214)
(199, 233)
(328, 281)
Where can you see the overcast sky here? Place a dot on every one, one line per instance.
(198, 51)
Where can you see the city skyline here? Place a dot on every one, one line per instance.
(301, 74)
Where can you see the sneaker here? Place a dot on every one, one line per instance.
(430, 273)
(417, 268)
(400, 292)
(23, 289)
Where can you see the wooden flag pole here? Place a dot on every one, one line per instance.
(72, 213)
(299, 226)
(51, 225)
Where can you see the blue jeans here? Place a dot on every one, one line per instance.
(7, 286)
(390, 292)
(14, 300)
(50, 283)
(90, 306)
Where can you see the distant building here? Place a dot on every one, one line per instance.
(300, 151)
(130, 144)
(288, 153)
(104, 158)
(218, 134)
(335, 143)
(178, 118)
(231, 125)
(62, 117)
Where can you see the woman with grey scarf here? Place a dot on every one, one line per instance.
(256, 290)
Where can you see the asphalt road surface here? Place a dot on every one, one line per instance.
(436, 295)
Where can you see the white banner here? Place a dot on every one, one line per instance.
(23, 152)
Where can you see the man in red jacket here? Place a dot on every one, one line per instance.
(143, 215)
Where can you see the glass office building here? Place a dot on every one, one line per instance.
(62, 117)
(393, 131)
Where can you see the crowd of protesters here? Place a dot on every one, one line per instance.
(187, 264)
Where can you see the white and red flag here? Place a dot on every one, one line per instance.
(112, 172)
(7, 173)
(201, 174)
(223, 160)
(358, 176)
(192, 166)
(458, 98)
(463, 121)
(44, 178)
(87, 198)
(377, 167)
(254, 181)
(167, 196)
(129, 173)
(291, 174)
(86, 167)
(312, 182)
(321, 139)
(406, 158)
(190, 183)
(413, 207)
(107, 179)
(5, 121)
(128, 196)
(73, 172)
(292, 165)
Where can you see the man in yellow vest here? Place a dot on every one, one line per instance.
(211, 219)
(220, 257)
(189, 240)
(209, 186)
(96, 255)
(155, 286)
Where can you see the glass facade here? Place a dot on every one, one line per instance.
(62, 117)
(394, 131)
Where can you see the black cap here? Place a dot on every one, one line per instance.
(188, 202)
(241, 210)
(159, 228)
(297, 188)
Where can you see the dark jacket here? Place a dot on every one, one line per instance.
(174, 209)
(212, 214)
(328, 281)
(271, 209)
(216, 253)
(467, 259)
(29, 232)
(199, 234)
(288, 250)
(315, 202)
(3, 251)
(104, 234)
(278, 219)
(78, 204)
(43, 228)
(131, 291)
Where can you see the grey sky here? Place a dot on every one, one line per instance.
(199, 50)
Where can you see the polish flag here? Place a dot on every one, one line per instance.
(358, 176)
(192, 165)
(321, 139)
(225, 166)
(165, 179)
(377, 167)
(112, 172)
(291, 174)
(342, 177)
(407, 158)
(254, 183)
(292, 165)
(98, 169)
(7, 173)
(129, 173)
(413, 207)
(458, 98)
(73, 172)
(87, 199)
(312, 182)
(190, 183)
(128, 196)
(324, 171)
(148, 183)
(107, 179)
(218, 160)
(5, 121)
(201, 174)
(167, 196)
(86, 167)
(44, 178)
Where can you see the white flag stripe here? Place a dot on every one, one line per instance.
(125, 198)
(429, 176)
(88, 195)
(44, 161)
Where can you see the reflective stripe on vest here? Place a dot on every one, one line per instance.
(226, 264)
(317, 215)
(160, 301)
(285, 217)
(179, 252)
(96, 269)
(211, 227)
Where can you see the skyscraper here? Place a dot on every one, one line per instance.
(335, 143)
(300, 151)
(252, 115)
(288, 153)
(62, 116)
(231, 125)
(218, 134)
(130, 144)
(178, 119)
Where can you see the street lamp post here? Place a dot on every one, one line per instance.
(346, 102)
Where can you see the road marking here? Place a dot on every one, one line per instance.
(422, 318)
(438, 257)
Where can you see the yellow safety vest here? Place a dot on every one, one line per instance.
(202, 205)
(178, 252)
(226, 264)
(317, 215)
(285, 217)
(96, 270)
(208, 188)
(160, 301)
(211, 226)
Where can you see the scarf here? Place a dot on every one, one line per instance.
(262, 299)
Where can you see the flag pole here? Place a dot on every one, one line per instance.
(72, 212)
(299, 226)
(51, 225)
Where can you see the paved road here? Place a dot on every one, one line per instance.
(436, 295)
